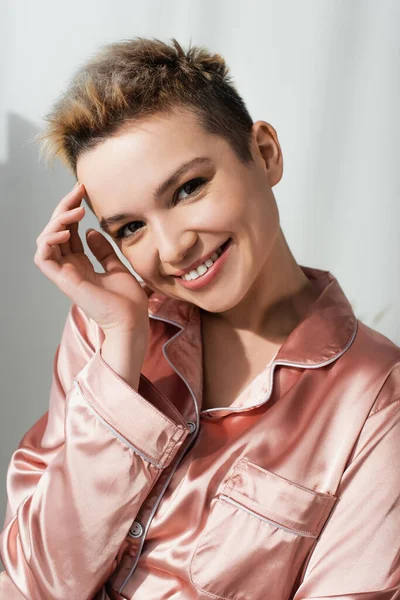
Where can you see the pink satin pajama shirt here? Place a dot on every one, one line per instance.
(290, 493)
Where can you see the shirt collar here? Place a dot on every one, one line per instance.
(325, 332)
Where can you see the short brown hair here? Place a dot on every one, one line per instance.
(135, 78)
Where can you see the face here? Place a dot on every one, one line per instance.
(170, 227)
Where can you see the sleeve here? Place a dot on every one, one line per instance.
(357, 556)
(80, 474)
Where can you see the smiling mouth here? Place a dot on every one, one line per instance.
(203, 268)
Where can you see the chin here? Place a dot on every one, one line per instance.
(220, 302)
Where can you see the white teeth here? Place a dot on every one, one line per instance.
(201, 269)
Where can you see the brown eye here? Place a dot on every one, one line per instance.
(190, 187)
(122, 233)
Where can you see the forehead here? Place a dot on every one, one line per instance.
(136, 159)
(147, 141)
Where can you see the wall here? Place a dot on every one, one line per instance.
(324, 73)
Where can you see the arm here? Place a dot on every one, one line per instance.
(81, 473)
(357, 556)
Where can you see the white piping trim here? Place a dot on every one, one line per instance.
(173, 367)
(285, 364)
(194, 434)
(254, 514)
(149, 520)
(114, 431)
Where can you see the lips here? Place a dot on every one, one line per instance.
(202, 260)
(212, 273)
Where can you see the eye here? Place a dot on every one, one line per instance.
(190, 188)
(121, 234)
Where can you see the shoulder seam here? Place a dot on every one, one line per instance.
(375, 412)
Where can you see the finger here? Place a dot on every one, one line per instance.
(70, 200)
(66, 218)
(48, 249)
(75, 241)
(61, 221)
(104, 252)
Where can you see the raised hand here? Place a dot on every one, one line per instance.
(115, 298)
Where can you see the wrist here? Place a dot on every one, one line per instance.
(124, 353)
(128, 338)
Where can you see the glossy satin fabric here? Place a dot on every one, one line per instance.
(293, 492)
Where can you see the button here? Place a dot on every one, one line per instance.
(192, 426)
(136, 530)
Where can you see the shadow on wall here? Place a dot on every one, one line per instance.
(32, 309)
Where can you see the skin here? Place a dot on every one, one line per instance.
(268, 292)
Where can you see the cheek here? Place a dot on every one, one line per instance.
(245, 204)
(251, 212)
(223, 212)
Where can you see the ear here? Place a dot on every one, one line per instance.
(268, 150)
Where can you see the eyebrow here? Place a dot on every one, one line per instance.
(160, 190)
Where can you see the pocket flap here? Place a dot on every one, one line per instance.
(273, 497)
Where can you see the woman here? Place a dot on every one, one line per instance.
(226, 428)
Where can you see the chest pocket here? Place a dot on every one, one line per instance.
(260, 529)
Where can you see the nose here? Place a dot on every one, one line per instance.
(174, 244)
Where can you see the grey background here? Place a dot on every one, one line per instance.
(323, 72)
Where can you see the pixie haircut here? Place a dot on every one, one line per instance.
(133, 79)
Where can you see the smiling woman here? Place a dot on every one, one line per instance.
(214, 430)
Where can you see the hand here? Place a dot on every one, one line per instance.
(114, 299)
